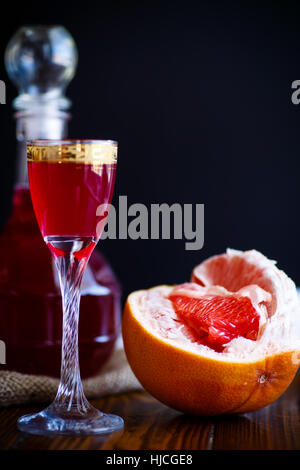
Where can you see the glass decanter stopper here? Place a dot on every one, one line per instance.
(41, 61)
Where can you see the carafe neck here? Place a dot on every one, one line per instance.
(39, 122)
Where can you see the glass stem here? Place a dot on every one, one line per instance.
(70, 394)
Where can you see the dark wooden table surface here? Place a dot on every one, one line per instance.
(151, 425)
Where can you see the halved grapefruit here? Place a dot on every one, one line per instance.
(227, 342)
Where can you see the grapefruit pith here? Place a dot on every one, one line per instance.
(228, 342)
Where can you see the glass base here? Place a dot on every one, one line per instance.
(50, 423)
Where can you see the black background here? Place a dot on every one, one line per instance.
(199, 97)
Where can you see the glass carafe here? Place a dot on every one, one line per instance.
(41, 60)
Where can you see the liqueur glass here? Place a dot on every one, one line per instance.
(71, 184)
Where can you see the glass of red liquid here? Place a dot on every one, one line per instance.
(71, 184)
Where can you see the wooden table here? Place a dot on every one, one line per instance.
(151, 425)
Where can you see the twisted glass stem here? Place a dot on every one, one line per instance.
(70, 414)
(70, 396)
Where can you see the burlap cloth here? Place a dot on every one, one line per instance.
(115, 377)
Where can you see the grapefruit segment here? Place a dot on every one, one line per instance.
(217, 319)
(217, 316)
